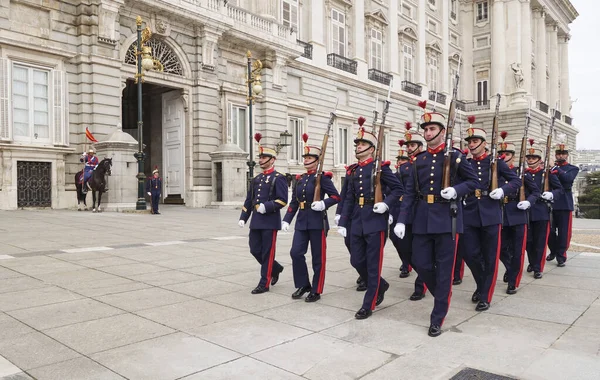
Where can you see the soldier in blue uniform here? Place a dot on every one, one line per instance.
(480, 243)
(153, 188)
(433, 243)
(414, 145)
(562, 211)
(369, 220)
(459, 263)
(539, 215)
(267, 194)
(311, 225)
(91, 162)
(514, 225)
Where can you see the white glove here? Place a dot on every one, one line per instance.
(261, 209)
(342, 231)
(497, 194)
(285, 226)
(547, 195)
(523, 205)
(318, 206)
(241, 223)
(448, 193)
(380, 207)
(149, 193)
(390, 220)
(400, 230)
(337, 219)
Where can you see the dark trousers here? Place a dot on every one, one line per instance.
(537, 240)
(512, 251)
(366, 256)
(480, 248)
(560, 234)
(262, 247)
(318, 251)
(435, 264)
(405, 252)
(155, 199)
(459, 266)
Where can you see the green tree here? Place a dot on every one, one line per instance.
(589, 199)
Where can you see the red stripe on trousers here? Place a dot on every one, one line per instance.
(495, 277)
(381, 245)
(323, 258)
(543, 258)
(451, 277)
(271, 258)
(520, 274)
(569, 233)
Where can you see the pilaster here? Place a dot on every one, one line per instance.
(565, 98)
(444, 64)
(539, 15)
(526, 47)
(553, 95)
(421, 55)
(499, 67)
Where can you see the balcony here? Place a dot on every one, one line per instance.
(568, 119)
(411, 88)
(460, 105)
(557, 114)
(380, 76)
(541, 106)
(342, 63)
(480, 105)
(308, 48)
(437, 97)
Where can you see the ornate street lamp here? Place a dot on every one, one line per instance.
(285, 139)
(145, 62)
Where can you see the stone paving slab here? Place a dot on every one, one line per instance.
(175, 303)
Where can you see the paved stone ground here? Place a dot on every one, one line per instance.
(116, 295)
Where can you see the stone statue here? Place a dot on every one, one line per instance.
(518, 74)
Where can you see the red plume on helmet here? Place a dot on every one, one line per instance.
(503, 134)
(257, 137)
(423, 104)
(361, 121)
(471, 119)
(408, 125)
(305, 137)
(531, 141)
(401, 142)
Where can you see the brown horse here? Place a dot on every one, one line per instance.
(97, 182)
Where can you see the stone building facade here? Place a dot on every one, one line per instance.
(67, 65)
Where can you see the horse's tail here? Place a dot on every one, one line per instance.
(78, 186)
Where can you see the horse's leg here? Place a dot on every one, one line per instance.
(93, 200)
(99, 200)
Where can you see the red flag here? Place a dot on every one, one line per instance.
(89, 135)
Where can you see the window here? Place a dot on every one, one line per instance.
(338, 33)
(407, 11)
(376, 49)
(482, 87)
(432, 63)
(432, 26)
(453, 9)
(454, 39)
(290, 14)
(341, 146)
(295, 151)
(482, 11)
(482, 42)
(408, 62)
(237, 127)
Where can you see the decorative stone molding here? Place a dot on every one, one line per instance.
(209, 38)
(108, 14)
(160, 26)
(276, 62)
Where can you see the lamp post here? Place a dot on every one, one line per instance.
(145, 62)
(254, 88)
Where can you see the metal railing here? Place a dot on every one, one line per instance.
(568, 119)
(380, 76)
(342, 63)
(478, 105)
(308, 49)
(411, 88)
(542, 106)
(437, 97)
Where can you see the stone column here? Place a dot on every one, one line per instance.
(553, 95)
(526, 44)
(514, 57)
(358, 39)
(539, 16)
(444, 85)
(499, 67)
(467, 75)
(316, 31)
(565, 98)
(421, 65)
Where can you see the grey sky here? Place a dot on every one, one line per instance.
(584, 68)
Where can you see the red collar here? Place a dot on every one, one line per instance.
(436, 150)
(365, 162)
(269, 171)
(309, 172)
(511, 166)
(562, 163)
(483, 156)
(536, 170)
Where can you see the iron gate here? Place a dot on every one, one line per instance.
(34, 184)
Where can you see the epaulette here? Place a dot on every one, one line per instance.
(298, 176)
(350, 168)
(386, 163)
(328, 174)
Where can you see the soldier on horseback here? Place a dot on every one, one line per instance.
(91, 162)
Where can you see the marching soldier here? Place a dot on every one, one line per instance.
(369, 219)
(311, 225)
(562, 211)
(539, 215)
(414, 145)
(267, 194)
(514, 224)
(153, 188)
(480, 243)
(432, 219)
(459, 263)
